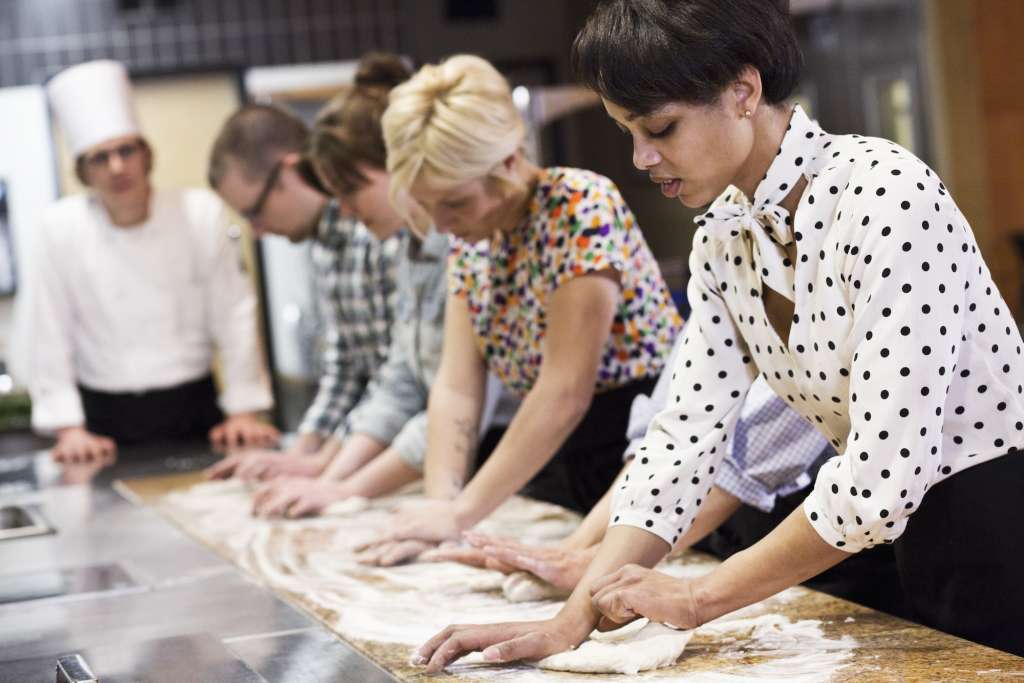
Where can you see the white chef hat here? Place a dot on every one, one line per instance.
(93, 102)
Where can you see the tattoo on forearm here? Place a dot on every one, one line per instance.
(465, 443)
(465, 437)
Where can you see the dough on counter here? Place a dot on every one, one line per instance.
(638, 646)
(349, 506)
(525, 587)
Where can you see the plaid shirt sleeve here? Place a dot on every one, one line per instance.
(339, 388)
(355, 284)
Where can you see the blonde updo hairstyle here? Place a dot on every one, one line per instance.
(450, 123)
(347, 131)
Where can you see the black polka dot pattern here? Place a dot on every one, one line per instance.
(902, 352)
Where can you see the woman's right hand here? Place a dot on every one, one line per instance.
(561, 567)
(502, 643)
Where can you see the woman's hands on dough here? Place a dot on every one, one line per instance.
(415, 527)
(425, 520)
(500, 643)
(561, 567)
(633, 592)
(389, 553)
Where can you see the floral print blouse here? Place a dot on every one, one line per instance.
(577, 223)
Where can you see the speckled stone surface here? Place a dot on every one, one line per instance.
(884, 648)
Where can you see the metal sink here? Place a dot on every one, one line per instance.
(21, 521)
(49, 583)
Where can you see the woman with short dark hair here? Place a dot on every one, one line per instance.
(839, 269)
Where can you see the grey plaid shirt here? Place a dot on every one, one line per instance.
(354, 276)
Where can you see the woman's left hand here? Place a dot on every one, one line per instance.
(390, 553)
(425, 520)
(415, 527)
(633, 592)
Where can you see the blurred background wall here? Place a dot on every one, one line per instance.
(942, 77)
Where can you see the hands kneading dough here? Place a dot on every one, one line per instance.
(638, 646)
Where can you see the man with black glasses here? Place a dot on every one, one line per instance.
(257, 167)
(135, 289)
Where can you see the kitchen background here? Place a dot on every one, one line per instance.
(942, 77)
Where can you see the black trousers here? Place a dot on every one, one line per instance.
(186, 411)
(956, 567)
(583, 469)
(869, 578)
(960, 558)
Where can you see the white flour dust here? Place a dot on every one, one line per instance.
(313, 560)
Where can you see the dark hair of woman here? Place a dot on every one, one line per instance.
(347, 132)
(644, 54)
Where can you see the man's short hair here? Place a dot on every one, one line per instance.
(255, 137)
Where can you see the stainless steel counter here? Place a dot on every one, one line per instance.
(120, 584)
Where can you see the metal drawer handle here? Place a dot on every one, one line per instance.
(74, 669)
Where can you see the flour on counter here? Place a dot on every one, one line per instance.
(312, 560)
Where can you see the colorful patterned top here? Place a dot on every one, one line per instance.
(577, 223)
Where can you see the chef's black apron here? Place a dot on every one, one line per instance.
(584, 468)
(186, 411)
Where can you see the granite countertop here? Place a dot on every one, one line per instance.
(881, 647)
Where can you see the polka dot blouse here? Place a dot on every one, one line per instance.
(901, 352)
(577, 223)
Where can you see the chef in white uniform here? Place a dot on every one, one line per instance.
(135, 289)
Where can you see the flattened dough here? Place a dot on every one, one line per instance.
(525, 587)
(348, 506)
(639, 646)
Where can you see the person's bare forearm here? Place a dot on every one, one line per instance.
(350, 456)
(718, 507)
(532, 438)
(792, 553)
(308, 443)
(453, 419)
(383, 475)
(621, 545)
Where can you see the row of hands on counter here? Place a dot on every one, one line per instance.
(289, 485)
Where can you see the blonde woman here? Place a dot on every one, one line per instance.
(551, 286)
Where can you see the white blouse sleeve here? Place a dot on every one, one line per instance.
(674, 469)
(907, 298)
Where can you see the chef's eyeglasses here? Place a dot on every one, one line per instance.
(254, 211)
(101, 158)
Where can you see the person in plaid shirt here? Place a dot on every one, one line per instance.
(257, 167)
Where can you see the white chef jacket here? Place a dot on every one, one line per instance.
(140, 308)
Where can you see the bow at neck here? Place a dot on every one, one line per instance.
(762, 228)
